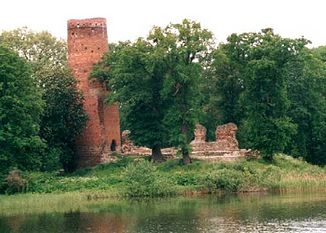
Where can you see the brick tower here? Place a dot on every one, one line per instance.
(87, 42)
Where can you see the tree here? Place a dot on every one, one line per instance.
(156, 80)
(20, 111)
(306, 90)
(222, 85)
(320, 53)
(266, 123)
(134, 73)
(64, 117)
(187, 45)
(250, 73)
(45, 52)
(62, 120)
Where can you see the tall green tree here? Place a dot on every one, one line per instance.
(20, 111)
(45, 52)
(222, 85)
(135, 73)
(268, 127)
(63, 118)
(306, 91)
(253, 83)
(187, 46)
(156, 82)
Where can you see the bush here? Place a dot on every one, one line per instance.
(186, 178)
(142, 179)
(242, 177)
(15, 183)
(229, 180)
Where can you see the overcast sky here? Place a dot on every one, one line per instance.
(130, 19)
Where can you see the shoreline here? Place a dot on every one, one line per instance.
(135, 177)
(23, 204)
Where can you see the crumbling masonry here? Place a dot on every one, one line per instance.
(224, 148)
(87, 42)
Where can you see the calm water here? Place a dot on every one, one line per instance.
(245, 213)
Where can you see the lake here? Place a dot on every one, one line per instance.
(305, 212)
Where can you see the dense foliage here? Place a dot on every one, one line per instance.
(265, 101)
(142, 179)
(273, 88)
(156, 80)
(135, 74)
(187, 46)
(62, 120)
(20, 112)
(63, 116)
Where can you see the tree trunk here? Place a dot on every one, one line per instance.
(185, 157)
(157, 156)
(185, 148)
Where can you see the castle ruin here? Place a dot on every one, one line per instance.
(87, 43)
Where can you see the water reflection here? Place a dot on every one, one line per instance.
(246, 213)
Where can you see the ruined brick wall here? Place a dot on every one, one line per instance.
(226, 137)
(225, 148)
(87, 42)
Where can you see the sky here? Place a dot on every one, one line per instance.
(130, 19)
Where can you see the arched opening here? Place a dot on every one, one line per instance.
(113, 145)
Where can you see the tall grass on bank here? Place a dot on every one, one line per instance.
(131, 177)
(283, 174)
(142, 179)
(52, 202)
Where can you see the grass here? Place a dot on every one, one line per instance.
(36, 203)
(130, 176)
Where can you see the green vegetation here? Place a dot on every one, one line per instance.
(273, 88)
(136, 177)
(40, 203)
(144, 180)
(20, 111)
(156, 81)
(265, 100)
(62, 115)
(138, 75)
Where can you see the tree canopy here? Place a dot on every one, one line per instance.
(20, 112)
(134, 73)
(45, 52)
(156, 82)
(272, 87)
(63, 116)
(187, 46)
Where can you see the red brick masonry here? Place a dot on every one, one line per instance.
(225, 148)
(87, 42)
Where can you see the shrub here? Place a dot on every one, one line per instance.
(15, 182)
(209, 181)
(141, 179)
(186, 178)
(229, 180)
